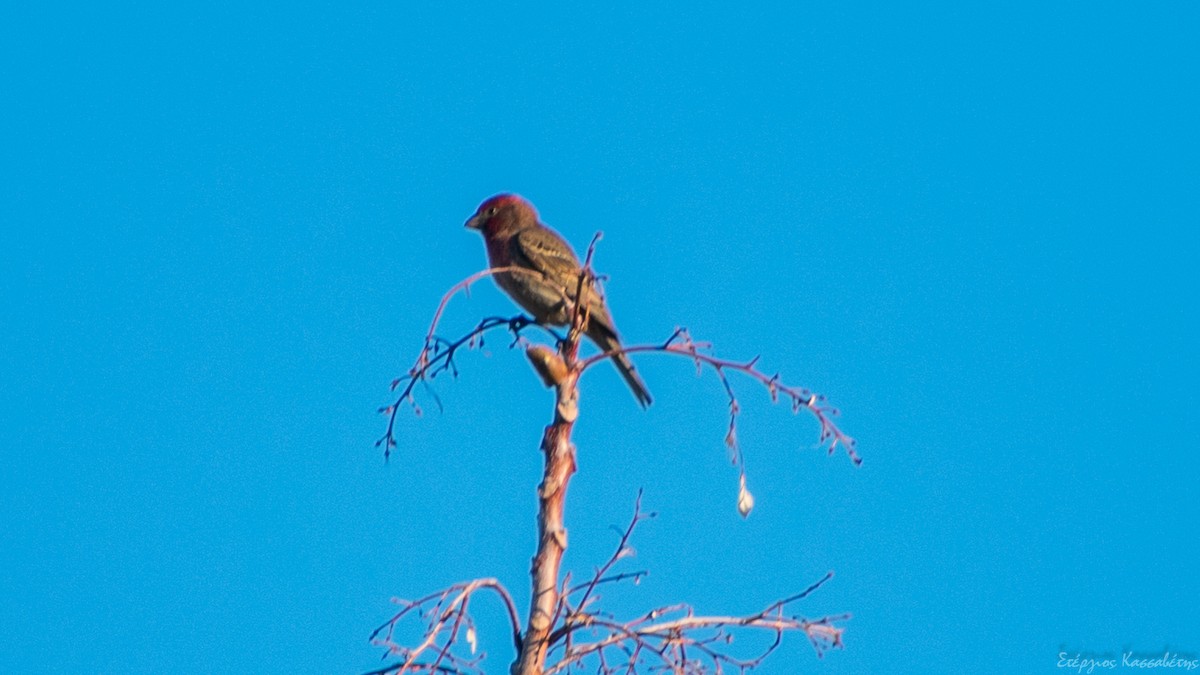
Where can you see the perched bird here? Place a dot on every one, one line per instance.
(516, 238)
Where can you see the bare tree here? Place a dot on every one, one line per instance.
(564, 630)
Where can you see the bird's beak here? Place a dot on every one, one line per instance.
(474, 222)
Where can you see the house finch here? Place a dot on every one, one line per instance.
(516, 238)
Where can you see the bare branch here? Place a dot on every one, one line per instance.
(680, 343)
(622, 551)
(670, 638)
(673, 638)
(559, 466)
(437, 354)
(573, 611)
(445, 614)
(415, 668)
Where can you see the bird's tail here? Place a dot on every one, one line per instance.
(607, 340)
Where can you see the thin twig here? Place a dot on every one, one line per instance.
(599, 577)
(677, 639)
(681, 344)
(437, 354)
(448, 610)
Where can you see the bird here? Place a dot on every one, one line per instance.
(515, 237)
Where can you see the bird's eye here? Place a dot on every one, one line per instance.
(492, 211)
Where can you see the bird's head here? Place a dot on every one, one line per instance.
(503, 213)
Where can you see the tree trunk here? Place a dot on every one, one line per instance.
(552, 533)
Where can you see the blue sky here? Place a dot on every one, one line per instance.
(225, 229)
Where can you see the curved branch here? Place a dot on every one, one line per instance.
(822, 634)
(449, 609)
(415, 668)
(681, 344)
(465, 286)
(674, 635)
(437, 354)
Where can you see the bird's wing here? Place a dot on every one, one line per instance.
(542, 249)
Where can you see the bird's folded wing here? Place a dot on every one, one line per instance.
(543, 250)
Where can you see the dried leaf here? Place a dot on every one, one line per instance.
(549, 366)
(745, 502)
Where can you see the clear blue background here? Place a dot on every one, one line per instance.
(224, 229)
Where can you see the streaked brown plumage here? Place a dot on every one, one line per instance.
(514, 236)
